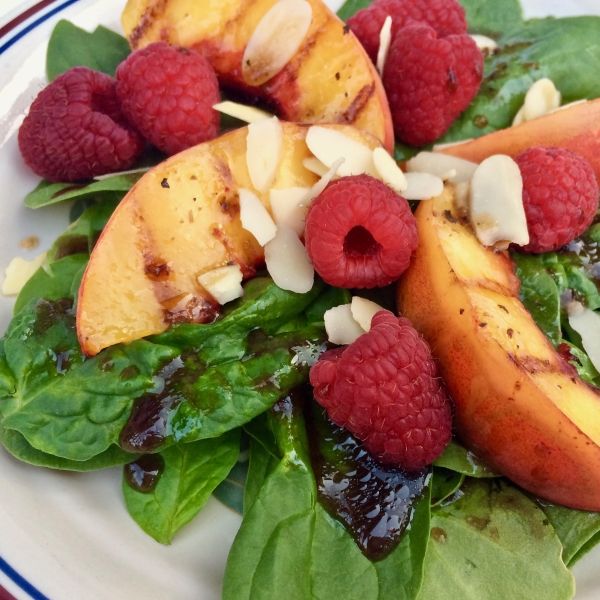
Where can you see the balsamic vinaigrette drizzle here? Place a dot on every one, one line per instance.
(144, 474)
(373, 500)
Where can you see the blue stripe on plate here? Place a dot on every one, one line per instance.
(33, 25)
(21, 582)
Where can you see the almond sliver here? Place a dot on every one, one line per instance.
(329, 144)
(248, 114)
(385, 40)
(289, 207)
(255, 218)
(223, 283)
(264, 148)
(422, 186)
(314, 165)
(389, 172)
(277, 37)
(288, 263)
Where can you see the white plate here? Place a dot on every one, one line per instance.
(67, 536)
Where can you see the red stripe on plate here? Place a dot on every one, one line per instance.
(4, 595)
(15, 23)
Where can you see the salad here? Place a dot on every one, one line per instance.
(466, 525)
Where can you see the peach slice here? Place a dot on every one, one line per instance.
(576, 128)
(330, 78)
(519, 405)
(180, 221)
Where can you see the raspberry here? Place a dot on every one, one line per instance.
(75, 129)
(560, 196)
(168, 93)
(360, 233)
(429, 81)
(384, 388)
(445, 16)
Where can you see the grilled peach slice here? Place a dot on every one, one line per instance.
(329, 79)
(178, 222)
(576, 128)
(519, 405)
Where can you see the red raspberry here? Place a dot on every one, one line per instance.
(445, 16)
(560, 196)
(75, 129)
(384, 388)
(429, 81)
(360, 233)
(168, 93)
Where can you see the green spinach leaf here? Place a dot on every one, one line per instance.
(494, 542)
(493, 17)
(20, 448)
(444, 484)
(578, 530)
(284, 525)
(52, 282)
(47, 193)
(540, 48)
(457, 458)
(540, 294)
(221, 375)
(69, 46)
(63, 404)
(191, 472)
(351, 7)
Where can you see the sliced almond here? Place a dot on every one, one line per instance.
(277, 37)
(422, 186)
(340, 325)
(318, 188)
(363, 311)
(289, 207)
(255, 218)
(19, 272)
(586, 323)
(264, 149)
(388, 170)
(496, 202)
(385, 39)
(314, 165)
(328, 145)
(486, 44)
(541, 98)
(288, 263)
(439, 164)
(224, 283)
(248, 114)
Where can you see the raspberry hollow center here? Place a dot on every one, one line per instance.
(360, 242)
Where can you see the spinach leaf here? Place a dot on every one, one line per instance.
(47, 193)
(200, 382)
(540, 294)
(583, 364)
(444, 484)
(52, 282)
(63, 404)
(491, 531)
(20, 448)
(493, 17)
(191, 473)
(457, 458)
(70, 46)
(81, 236)
(540, 48)
(578, 530)
(284, 525)
(230, 491)
(351, 7)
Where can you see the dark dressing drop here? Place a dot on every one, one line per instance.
(373, 500)
(143, 474)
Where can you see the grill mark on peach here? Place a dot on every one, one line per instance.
(152, 14)
(350, 115)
